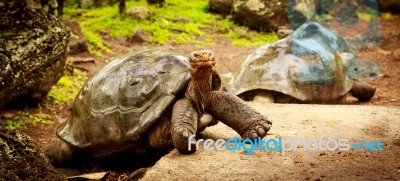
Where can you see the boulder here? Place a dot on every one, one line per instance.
(21, 158)
(85, 4)
(222, 7)
(181, 19)
(139, 36)
(138, 13)
(33, 51)
(77, 43)
(256, 14)
(261, 14)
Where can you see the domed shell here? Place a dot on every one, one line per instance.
(311, 65)
(118, 105)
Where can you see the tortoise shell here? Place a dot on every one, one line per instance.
(311, 65)
(116, 106)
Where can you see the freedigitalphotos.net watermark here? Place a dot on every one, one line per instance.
(283, 145)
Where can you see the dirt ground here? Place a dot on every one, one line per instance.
(228, 58)
(306, 122)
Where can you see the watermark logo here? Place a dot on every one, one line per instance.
(284, 145)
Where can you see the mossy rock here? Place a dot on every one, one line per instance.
(256, 14)
(21, 158)
(33, 51)
(261, 14)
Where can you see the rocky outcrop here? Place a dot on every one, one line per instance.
(222, 7)
(77, 43)
(21, 158)
(138, 13)
(256, 14)
(33, 50)
(139, 36)
(260, 14)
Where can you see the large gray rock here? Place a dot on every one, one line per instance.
(261, 14)
(33, 50)
(138, 13)
(222, 7)
(21, 159)
(78, 42)
(256, 14)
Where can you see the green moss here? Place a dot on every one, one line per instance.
(95, 43)
(163, 29)
(67, 86)
(63, 92)
(365, 16)
(388, 16)
(15, 124)
(24, 118)
(243, 37)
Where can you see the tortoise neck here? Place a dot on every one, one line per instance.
(199, 89)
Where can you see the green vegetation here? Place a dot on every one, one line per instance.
(24, 118)
(387, 16)
(162, 26)
(67, 86)
(63, 92)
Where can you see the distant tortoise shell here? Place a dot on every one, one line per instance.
(311, 65)
(117, 106)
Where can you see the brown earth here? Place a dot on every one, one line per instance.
(228, 58)
(306, 122)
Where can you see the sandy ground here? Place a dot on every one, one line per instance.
(356, 123)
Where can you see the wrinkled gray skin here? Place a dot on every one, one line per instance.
(151, 99)
(312, 65)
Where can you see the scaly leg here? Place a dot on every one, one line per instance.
(233, 112)
(183, 124)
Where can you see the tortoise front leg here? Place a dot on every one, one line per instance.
(233, 112)
(362, 90)
(63, 154)
(183, 124)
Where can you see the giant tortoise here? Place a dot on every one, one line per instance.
(152, 99)
(312, 65)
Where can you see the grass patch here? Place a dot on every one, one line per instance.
(162, 25)
(63, 93)
(67, 86)
(23, 118)
(388, 16)
(95, 43)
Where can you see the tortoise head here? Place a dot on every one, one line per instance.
(202, 64)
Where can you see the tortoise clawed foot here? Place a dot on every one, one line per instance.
(362, 90)
(259, 129)
(183, 126)
(58, 153)
(181, 138)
